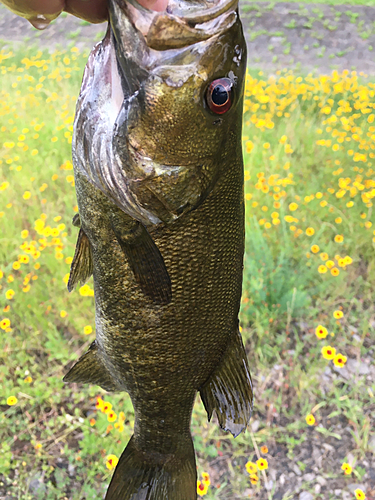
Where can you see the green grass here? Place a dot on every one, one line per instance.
(285, 298)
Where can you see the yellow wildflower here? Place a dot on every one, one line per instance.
(5, 323)
(249, 146)
(201, 488)
(99, 403)
(251, 467)
(338, 314)
(328, 352)
(321, 332)
(346, 468)
(254, 478)
(111, 462)
(107, 407)
(9, 294)
(12, 400)
(87, 329)
(111, 416)
(262, 463)
(339, 360)
(359, 494)
(206, 478)
(310, 419)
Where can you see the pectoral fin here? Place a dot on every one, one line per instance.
(82, 266)
(90, 369)
(229, 389)
(145, 260)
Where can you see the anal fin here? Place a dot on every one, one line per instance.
(229, 390)
(90, 369)
(82, 264)
(145, 260)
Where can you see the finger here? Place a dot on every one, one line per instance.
(94, 11)
(158, 5)
(39, 12)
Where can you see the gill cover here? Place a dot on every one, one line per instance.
(143, 133)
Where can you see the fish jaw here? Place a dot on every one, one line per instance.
(183, 23)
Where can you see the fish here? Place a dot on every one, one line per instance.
(159, 182)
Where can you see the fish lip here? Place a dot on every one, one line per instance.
(180, 25)
(189, 14)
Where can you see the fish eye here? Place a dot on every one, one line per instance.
(219, 95)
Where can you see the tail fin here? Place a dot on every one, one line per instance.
(142, 475)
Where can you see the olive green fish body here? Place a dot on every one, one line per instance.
(163, 236)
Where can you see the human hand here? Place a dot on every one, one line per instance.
(41, 12)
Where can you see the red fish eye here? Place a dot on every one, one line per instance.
(219, 95)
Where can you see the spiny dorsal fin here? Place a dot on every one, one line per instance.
(229, 390)
(90, 369)
(82, 266)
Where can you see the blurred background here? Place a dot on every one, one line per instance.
(307, 313)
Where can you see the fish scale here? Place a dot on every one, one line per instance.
(164, 239)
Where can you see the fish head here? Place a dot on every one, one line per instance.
(178, 86)
(185, 99)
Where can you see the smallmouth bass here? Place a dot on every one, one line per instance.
(159, 179)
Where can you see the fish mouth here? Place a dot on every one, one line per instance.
(145, 39)
(183, 23)
(194, 12)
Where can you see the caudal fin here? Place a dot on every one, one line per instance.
(142, 475)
